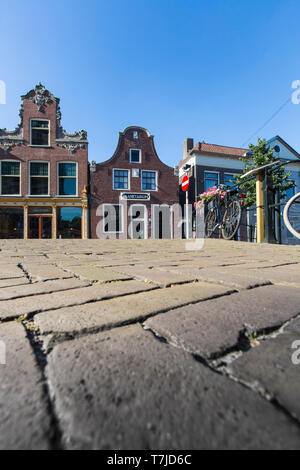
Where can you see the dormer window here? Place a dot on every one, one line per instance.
(39, 133)
(135, 156)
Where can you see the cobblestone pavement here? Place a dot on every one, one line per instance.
(144, 345)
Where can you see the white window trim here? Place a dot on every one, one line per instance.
(145, 220)
(10, 195)
(49, 129)
(103, 218)
(156, 180)
(140, 159)
(58, 177)
(29, 178)
(113, 179)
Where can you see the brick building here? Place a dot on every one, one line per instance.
(43, 174)
(132, 193)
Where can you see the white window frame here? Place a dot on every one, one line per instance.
(113, 179)
(103, 218)
(156, 180)
(29, 178)
(20, 191)
(49, 131)
(140, 159)
(58, 178)
(212, 173)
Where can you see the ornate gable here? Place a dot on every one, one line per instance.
(40, 96)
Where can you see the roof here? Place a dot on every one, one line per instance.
(220, 150)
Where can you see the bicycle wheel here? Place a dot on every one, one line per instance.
(291, 215)
(231, 220)
(210, 223)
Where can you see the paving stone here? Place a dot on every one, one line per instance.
(270, 366)
(40, 288)
(94, 273)
(10, 271)
(24, 422)
(237, 278)
(25, 306)
(45, 273)
(109, 313)
(211, 328)
(126, 390)
(157, 276)
(289, 274)
(13, 282)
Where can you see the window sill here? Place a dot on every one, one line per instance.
(10, 195)
(66, 197)
(40, 146)
(39, 195)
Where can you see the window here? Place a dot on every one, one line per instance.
(290, 193)
(67, 179)
(69, 222)
(10, 178)
(149, 181)
(210, 180)
(40, 133)
(120, 179)
(135, 156)
(11, 222)
(112, 218)
(229, 179)
(39, 179)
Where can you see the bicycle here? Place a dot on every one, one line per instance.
(228, 220)
(291, 215)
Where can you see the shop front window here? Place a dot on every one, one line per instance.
(69, 222)
(11, 222)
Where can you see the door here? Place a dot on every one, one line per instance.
(40, 227)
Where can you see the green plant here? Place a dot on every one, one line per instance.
(261, 154)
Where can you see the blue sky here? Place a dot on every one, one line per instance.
(215, 70)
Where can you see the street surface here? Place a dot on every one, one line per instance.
(142, 344)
